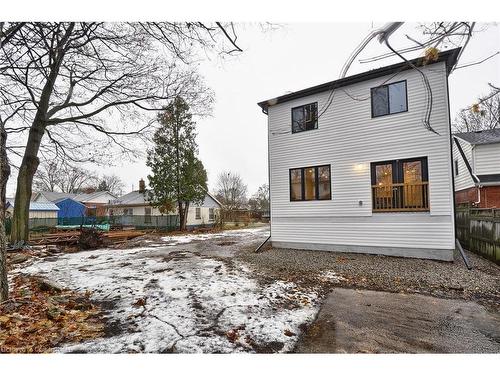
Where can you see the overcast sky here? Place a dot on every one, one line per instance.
(291, 58)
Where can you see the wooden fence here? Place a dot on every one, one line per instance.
(244, 216)
(479, 231)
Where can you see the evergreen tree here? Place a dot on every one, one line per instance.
(178, 176)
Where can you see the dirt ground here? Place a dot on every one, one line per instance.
(213, 293)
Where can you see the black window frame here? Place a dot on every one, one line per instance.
(303, 106)
(398, 174)
(316, 183)
(456, 168)
(197, 213)
(211, 214)
(388, 99)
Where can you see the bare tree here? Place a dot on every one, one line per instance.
(4, 175)
(48, 176)
(66, 82)
(429, 40)
(483, 115)
(231, 191)
(6, 34)
(63, 177)
(111, 183)
(260, 200)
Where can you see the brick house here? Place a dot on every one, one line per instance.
(476, 168)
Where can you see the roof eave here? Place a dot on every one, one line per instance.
(449, 57)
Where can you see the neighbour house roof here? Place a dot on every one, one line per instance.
(134, 198)
(449, 57)
(482, 137)
(489, 178)
(54, 195)
(215, 199)
(63, 199)
(83, 197)
(36, 206)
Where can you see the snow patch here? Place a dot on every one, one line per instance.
(193, 304)
(330, 276)
(184, 239)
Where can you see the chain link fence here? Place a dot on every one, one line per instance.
(162, 222)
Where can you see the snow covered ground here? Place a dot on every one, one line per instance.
(175, 299)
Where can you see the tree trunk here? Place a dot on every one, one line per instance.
(29, 165)
(181, 216)
(186, 210)
(4, 176)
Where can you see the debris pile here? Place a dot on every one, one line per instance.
(90, 238)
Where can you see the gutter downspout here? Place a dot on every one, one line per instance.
(478, 202)
(478, 183)
(266, 112)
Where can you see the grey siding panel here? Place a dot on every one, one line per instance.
(348, 139)
(487, 159)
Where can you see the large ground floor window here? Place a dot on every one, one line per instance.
(400, 185)
(310, 183)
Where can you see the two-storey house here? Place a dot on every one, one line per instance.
(353, 168)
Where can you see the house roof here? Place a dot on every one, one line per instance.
(83, 197)
(133, 198)
(37, 206)
(215, 199)
(449, 57)
(489, 178)
(64, 199)
(55, 195)
(481, 137)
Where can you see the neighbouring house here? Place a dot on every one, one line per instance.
(37, 210)
(95, 203)
(356, 169)
(134, 206)
(476, 165)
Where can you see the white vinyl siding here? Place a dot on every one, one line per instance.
(463, 180)
(349, 139)
(487, 159)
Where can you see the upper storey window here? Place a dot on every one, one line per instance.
(305, 117)
(389, 99)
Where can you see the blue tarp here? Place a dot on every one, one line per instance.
(69, 208)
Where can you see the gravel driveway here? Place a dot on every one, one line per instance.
(384, 273)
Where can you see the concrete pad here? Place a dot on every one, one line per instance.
(363, 321)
